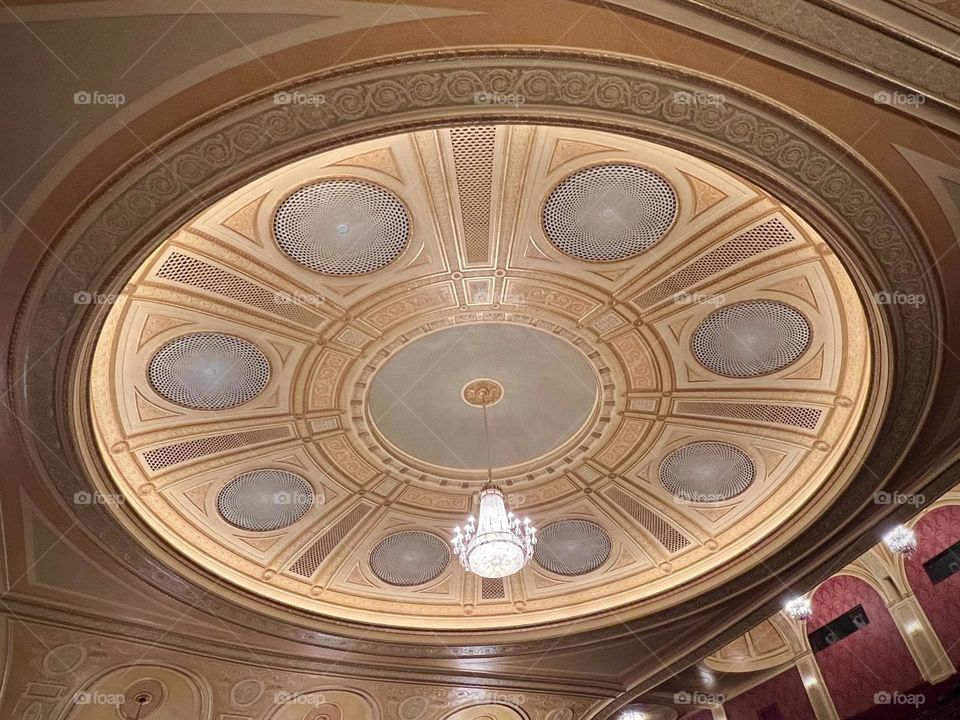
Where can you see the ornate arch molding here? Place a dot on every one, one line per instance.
(138, 672)
(125, 220)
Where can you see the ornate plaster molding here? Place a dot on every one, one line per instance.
(844, 36)
(821, 178)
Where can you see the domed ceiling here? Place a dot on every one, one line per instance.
(285, 390)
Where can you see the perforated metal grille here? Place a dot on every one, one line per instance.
(705, 472)
(793, 415)
(766, 236)
(609, 212)
(752, 338)
(409, 558)
(181, 452)
(473, 160)
(666, 534)
(309, 562)
(492, 589)
(342, 227)
(199, 274)
(265, 500)
(572, 547)
(209, 371)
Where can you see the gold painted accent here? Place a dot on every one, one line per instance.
(483, 391)
(811, 370)
(533, 251)
(149, 411)
(156, 324)
(565, 150)
(244, 221)
(261, 544)
(381, 160)
(706, 194)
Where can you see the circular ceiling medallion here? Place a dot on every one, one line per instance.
(482, 392)
(609, 212)
(209, 371)
(572, 547)
(707, 472)
(752, 338)
(409, 558)
(342, 227)
(416, 399)
(264, 500)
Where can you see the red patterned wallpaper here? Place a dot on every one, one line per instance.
(936, 531)
(872, 660)
(785, 690)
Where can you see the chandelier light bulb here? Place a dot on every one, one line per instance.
(901, 540)
(799, 609)
(499, 544)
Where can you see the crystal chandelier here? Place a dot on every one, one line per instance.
(901, 540)
(799, 609)
(499, 543)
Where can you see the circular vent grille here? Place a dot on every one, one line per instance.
(707, 472)
(409, 558)
(265, 500)
(572, 547)
(342, 227)
(209, 371)
(609, 212)
(751, 338)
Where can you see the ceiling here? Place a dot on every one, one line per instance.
(800, 163)
(676, 385)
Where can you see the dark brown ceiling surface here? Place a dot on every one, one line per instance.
(88, 191)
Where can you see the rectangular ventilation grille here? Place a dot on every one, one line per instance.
(665, 533)
(473, 160)
(766, 236)
(792, 415)
(196, 273)
(492, 589)
(309, 562)
(181, 452)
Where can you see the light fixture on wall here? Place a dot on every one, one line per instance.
(799, 608)
(496, 543)
(901, 540)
